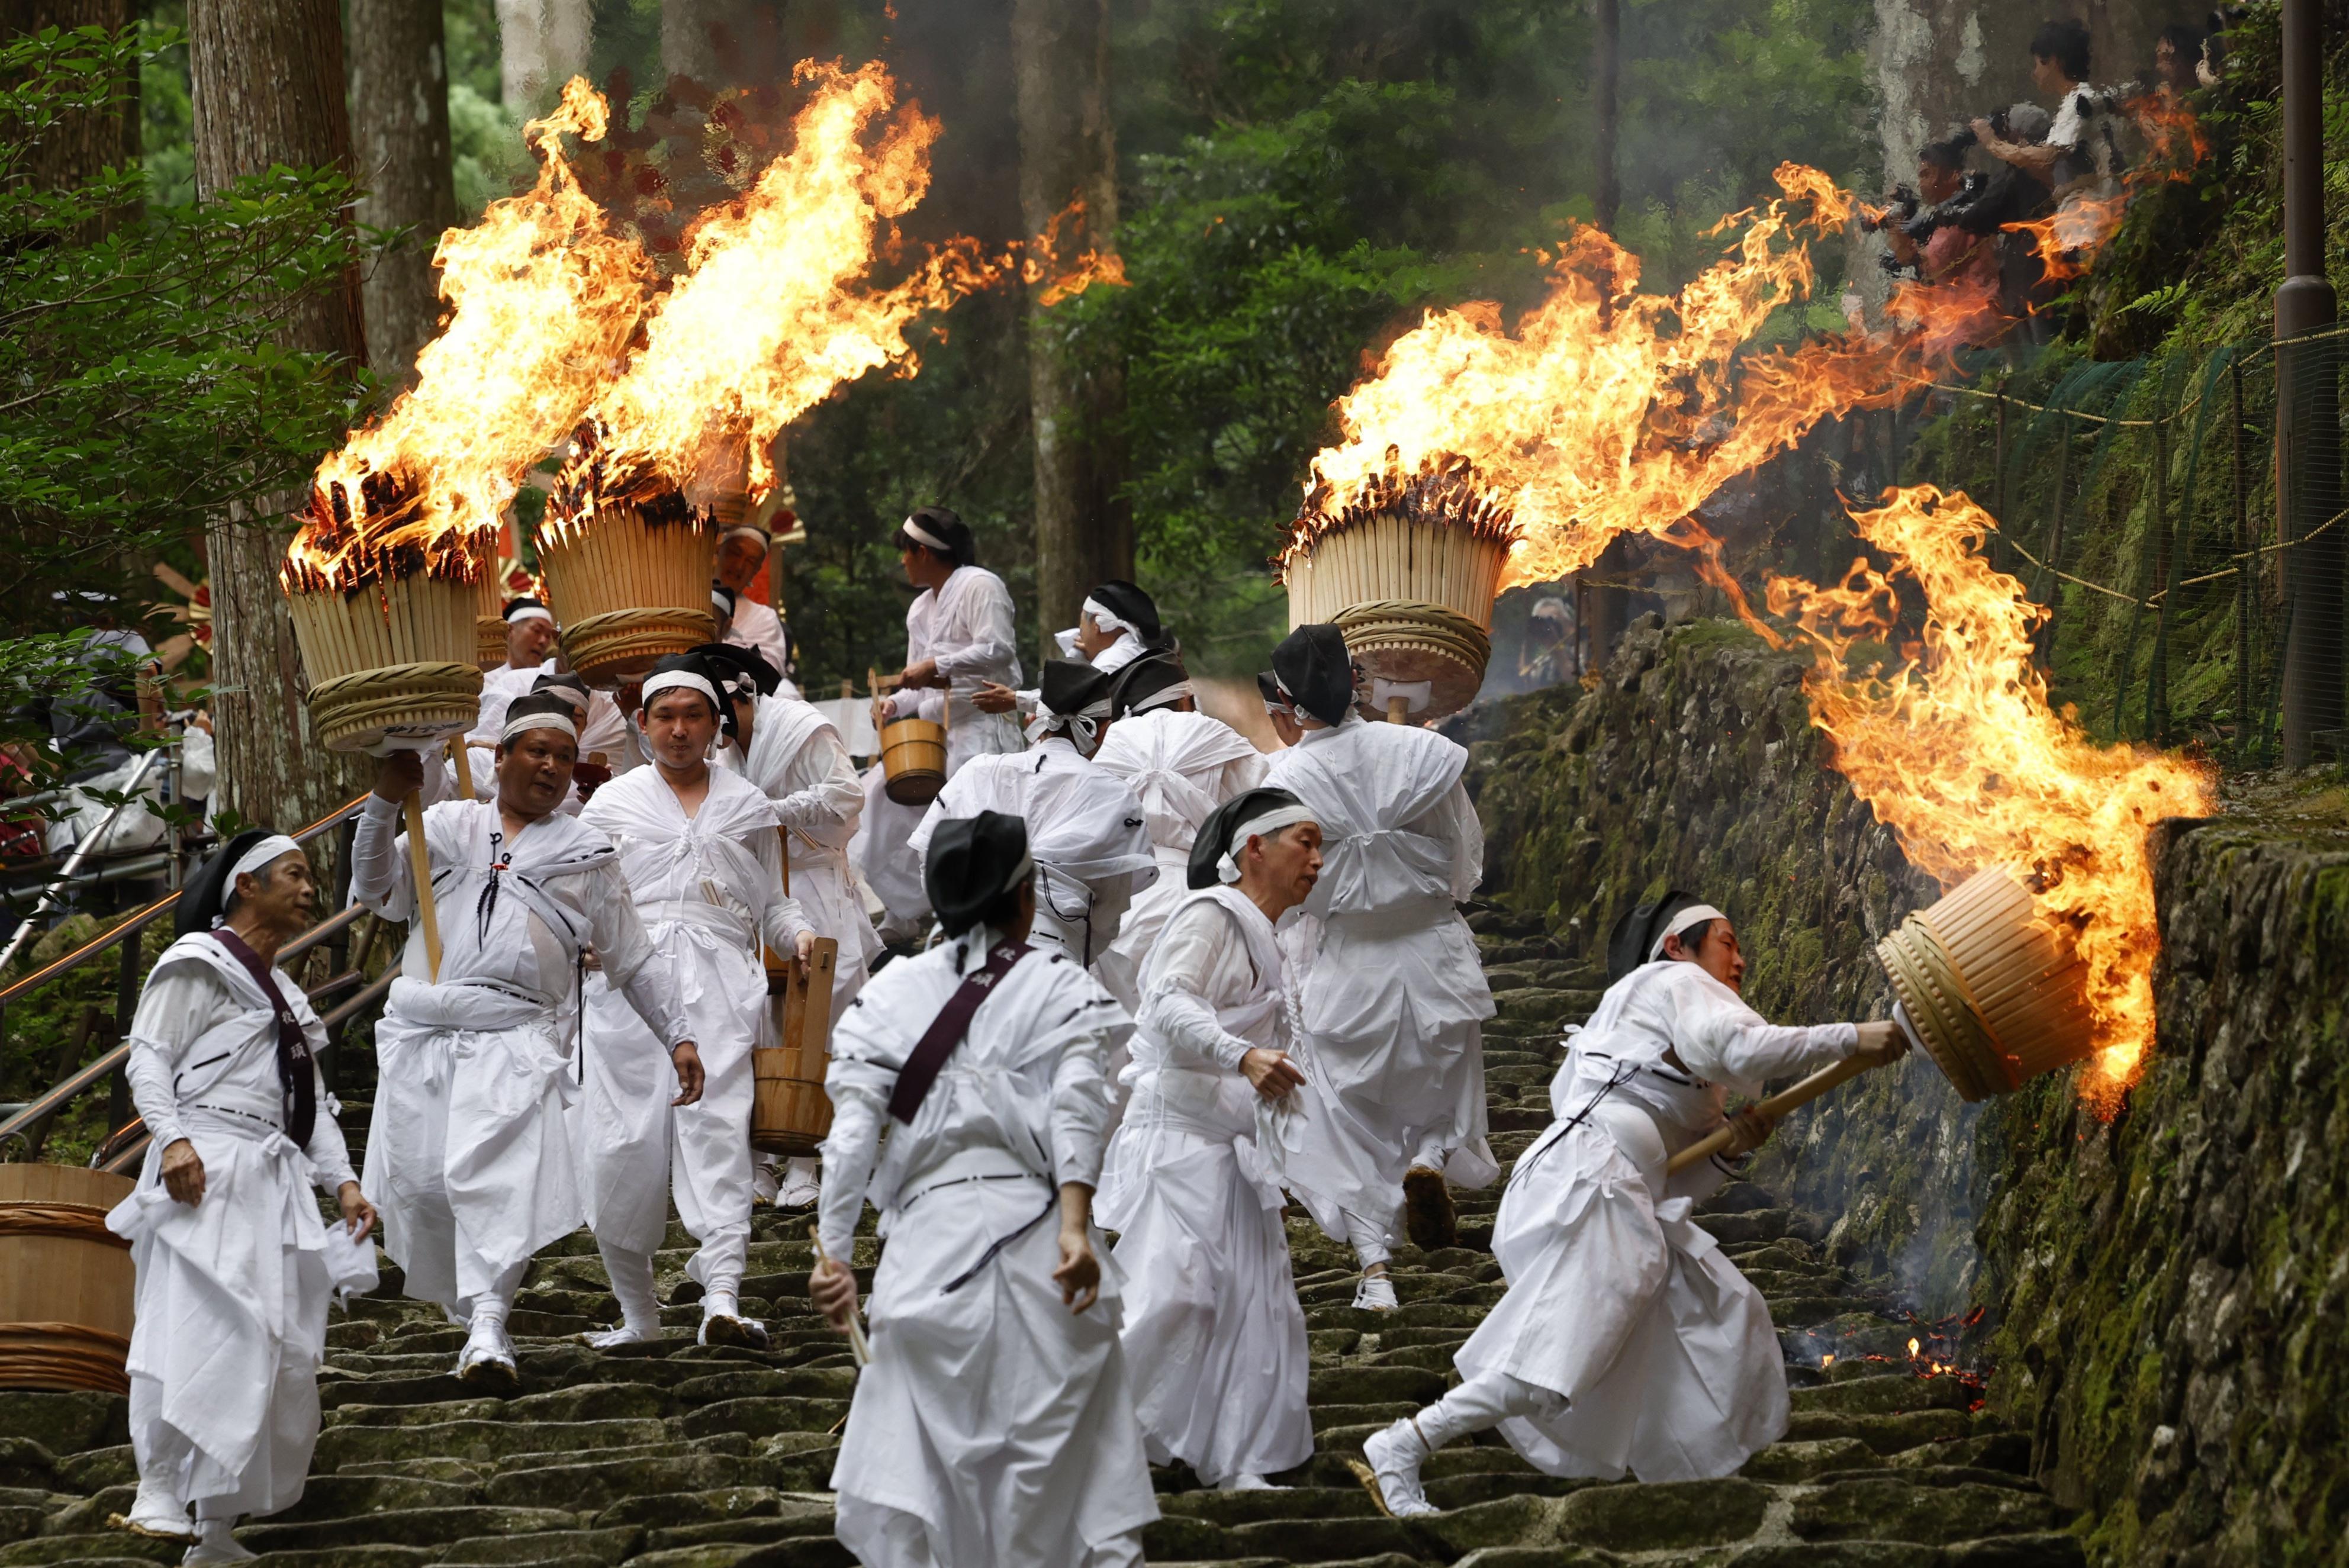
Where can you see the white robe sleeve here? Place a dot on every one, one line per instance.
(1082, 1105)
(781, 918)
(1184, 973)
(825, 809)
(379, 877)
(1723, 1040)
(1454, 822)
(176, 1008)
(328, 1154)
(859, 1092)
(988, 632)
(624, 950)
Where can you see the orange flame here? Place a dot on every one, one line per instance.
(1955, 745)
(1067, 280)
(1610, 411)
(775, 309)
(2067, 239)
(541, 297)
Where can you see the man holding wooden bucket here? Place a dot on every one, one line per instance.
(234, 1266)
(470, 1148)
(698, 850)
(1627, 1342)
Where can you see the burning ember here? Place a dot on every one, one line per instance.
(541, 298)
(776, 307)
(1952, 741)
(2067, 239)
(1068, 279)
(1934, 1349)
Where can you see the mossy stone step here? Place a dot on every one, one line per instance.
(87, 1546)
(1295, 1502)
(1897, 1507)
(762, 1417)
(65, 1423)
(587, 1402)
(407, 1527)
(796, 1520)
(591, 1485)
(1886, 1394)
(1885, 1434)
(1786, 1462)
(1374, 1384)
(347, 1497)
(473, 1441)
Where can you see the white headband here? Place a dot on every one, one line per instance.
(720, 599)
(753, 530)
(921, 535)
(529, 613)
(1264, 826)
(669, 679)
(1106, 619)
(1695, 915)
(1163, 696)
(258, 859)
(520, 722)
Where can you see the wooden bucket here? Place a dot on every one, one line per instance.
(790, 1112)
(1413, 597)
(627, 590)
(913, 760)
(1994, 997)
(65, 1281)
(393, 660)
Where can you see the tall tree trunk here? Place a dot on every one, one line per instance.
(688, 48)
(1084, 527)
(400, 126)
(268, 89)
(570, 30)
(1606, 109)
(521, 55)
(81, 145)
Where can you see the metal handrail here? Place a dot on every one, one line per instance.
(73, 861)
(142, 920)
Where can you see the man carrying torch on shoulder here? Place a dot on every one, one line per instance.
(1627, 1342)
(470, 1148)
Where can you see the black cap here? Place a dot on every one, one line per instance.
(1268, 686)
(1313, 664)
(1069, 686)
(695, 665)
(524, 602)
(552, 701)
(1635, 932)
(206, 898)
(1133, 686)
(566, 684)
(735, 660)
(941, 524)
(972, 862)
(1214, 839)
(1133, 606)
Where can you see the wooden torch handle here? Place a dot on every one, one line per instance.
(463, 760)
(1777, 1106)
(420, 870)
(859, 1350)
(1398, 709)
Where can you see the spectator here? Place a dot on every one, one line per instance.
(2177, 61)
(2081, 152)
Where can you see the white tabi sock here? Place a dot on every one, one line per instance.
(720, 1304)
(1486, 1399)
(632, 1282)
(215, 1545)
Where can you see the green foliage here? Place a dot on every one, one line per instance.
(167, 121)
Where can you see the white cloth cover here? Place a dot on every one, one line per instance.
(797, 757)
(994, 1426)
(1393, 1004)
(1181, 767)
(709, 888)
(470, 1162)
(230, 1314)
(1085, 832)
(499, 686)
(1213, 1333)
(1618, 1300)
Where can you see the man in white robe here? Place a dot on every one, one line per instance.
(1393, 1002)
(1181, 764)
(470, 1146)
(785, 745)
(1117, 625)
(1213, 1332)
(1085, 829)
(741, 555)
(234, 1266)
(701, 859)
(1627, 1343)
(959, 636)
(995, 1426)
(531, 638)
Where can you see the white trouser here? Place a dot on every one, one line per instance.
(1484, 1400)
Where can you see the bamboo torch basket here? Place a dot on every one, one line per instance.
(630, 583)
(790, 1112)
(65, 1281)
(1990, 993)
(1408, 574)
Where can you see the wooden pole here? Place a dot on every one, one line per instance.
(1398, 709)
(857, 1347)
(1777, 1106)
(420, 869)
(458, 754)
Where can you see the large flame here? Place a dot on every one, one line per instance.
(1610, 411)
(2068, 240)
(1952, 741)
(776, 307)
(541, 297)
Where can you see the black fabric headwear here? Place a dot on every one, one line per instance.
(721, 596)
(1130, 605)
(1143, 679)
(740, 661)
(1070, 687)
(1634, 937)
(940, 523)
(206, 898)
(553, 702)
(694, 664)
(1268, 686)
(1313, 664)
(972, 862)
(565, 685)
(1214, 839)
(524, 603)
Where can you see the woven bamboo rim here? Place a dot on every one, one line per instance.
(1409, 641)
(913, 760)
(2029, 991)
(609, 648)
(67, 1219)
(1935, 1000)
(407, 702)
(490, 637)
(63, 1357)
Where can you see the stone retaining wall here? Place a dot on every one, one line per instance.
(2163, 1296)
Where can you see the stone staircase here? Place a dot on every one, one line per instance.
(675, 1456)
